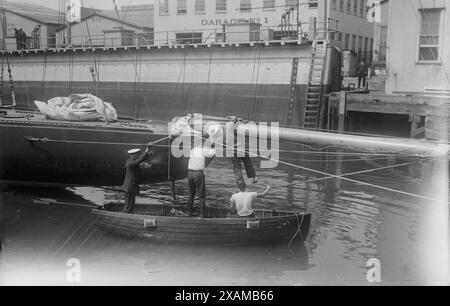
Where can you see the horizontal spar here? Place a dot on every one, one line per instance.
(399, 146)
(380, 145)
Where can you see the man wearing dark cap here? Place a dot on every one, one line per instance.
(133, 173)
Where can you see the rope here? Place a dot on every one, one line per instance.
(350, 174)
(44, 75)
(299, 230)
(46, 140)
(70, 74)
(347, 179)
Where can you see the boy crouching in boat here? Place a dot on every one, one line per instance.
(243, 200)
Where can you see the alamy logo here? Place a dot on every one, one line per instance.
(374, 12)
(374, 272)
(74, 272)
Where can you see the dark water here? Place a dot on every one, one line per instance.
(352, 223)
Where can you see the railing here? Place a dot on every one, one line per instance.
(307, 32)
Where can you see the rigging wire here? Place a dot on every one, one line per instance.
(344, 178)
(44, 75)
(350, 174)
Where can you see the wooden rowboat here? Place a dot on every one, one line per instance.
(168, 223)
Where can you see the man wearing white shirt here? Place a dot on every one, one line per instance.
(243, 200)
(196, 176)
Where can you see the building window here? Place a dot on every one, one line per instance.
(429, 34)
(347, 42)
(181, 7)
(341, 5)
(349, 7)
(354, 43)
(355, 7)
(339, 38)
(189, 38)
(313, 3)
(371, 45)
(291, 3)
(199, 6)
(269, 4)
(332, 35)
(362, 8)
(246, 5)
(366, 45)
(163, 7)
(221, 5)
(334, 4)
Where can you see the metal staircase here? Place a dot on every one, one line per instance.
(315, 81)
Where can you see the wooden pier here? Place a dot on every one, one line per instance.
(429, 116)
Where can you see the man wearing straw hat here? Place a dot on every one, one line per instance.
(133, 173)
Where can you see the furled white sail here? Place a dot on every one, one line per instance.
(81, 107)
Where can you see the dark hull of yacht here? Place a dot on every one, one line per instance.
(37, 151)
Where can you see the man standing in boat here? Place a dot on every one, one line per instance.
(133, 173)
(239, 157)
(244, 199)
(196, 175)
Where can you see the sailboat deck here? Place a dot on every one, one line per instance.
(21, 117)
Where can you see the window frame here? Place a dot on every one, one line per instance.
(341, 5)
(224, 3)
(196, 6)
(178, 8)
(288, 5)
(355, 8)
(363, 9)
(269, 8)
(243, 8)
(334, 5)
(166, 5)
(439, 45)
(349, 7)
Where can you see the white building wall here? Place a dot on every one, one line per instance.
(405, 72)
(355, 24)
(211, 22)
(91, 31)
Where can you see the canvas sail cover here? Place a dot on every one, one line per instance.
(78, 107)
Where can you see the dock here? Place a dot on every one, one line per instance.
(427, 116)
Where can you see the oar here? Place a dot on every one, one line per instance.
(50, 202)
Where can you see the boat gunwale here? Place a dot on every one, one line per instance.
(139, 217)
